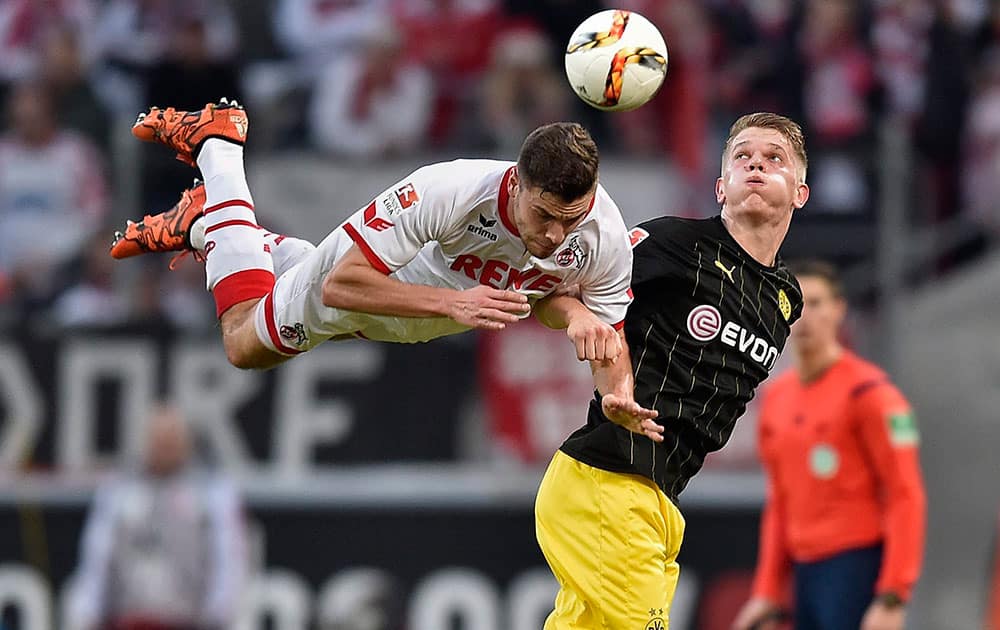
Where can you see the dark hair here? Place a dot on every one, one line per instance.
(561, 159)
(783, 125)
(818, 269)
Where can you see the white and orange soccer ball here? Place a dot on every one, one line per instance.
(616, 60)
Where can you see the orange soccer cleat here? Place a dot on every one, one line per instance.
(184, 132)
(168, 231)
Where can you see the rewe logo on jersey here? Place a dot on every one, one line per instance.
(484, 228)
(374, 221)
(500, 275)
(704, 323)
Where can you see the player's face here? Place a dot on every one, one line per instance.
(543, 219)
(761, 176)
(822, 315)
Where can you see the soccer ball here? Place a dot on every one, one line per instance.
(616, 60)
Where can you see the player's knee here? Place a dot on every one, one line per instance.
(239, 352)
(236, 325)
(238, 357)
(246, 352)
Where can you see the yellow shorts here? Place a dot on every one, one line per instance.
(611, 540)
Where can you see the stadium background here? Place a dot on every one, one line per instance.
(407, 474)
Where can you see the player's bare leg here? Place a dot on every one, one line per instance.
(239, 338)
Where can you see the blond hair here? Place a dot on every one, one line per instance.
(787, 127)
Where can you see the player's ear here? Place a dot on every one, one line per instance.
(840, 310)
(801, 195)
(512, 182)
(720, 193)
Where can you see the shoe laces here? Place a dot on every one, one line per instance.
(176, 260)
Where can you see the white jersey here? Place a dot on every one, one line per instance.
(444, 226)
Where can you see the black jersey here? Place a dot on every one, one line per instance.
(704, 329)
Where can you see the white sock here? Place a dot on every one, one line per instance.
(286, 251)
(197, 235)
(233, 241)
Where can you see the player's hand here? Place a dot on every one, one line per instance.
(627, 413)
(488, 308)
(757, 614)
(594, 340)
(882, 617)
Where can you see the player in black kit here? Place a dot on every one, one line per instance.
(712, 308)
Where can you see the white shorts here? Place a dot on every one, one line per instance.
(293, 319)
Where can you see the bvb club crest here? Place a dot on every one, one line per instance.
(656, 621)
(784, 304)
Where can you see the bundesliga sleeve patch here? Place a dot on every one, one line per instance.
(903, 429)
(407, 195)
(402, 198)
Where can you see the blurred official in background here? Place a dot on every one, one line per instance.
(163, 547)
(845, 512)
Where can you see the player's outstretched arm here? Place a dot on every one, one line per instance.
(609, 360)
(593, 339)
(354, 285)
(614, 381)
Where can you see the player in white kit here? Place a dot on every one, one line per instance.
(452, 246)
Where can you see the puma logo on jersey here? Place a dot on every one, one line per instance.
(728, 272)
(500, 275)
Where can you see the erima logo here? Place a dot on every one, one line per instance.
(704, 323)
(483, 229)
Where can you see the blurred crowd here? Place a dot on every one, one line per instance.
(364, 80)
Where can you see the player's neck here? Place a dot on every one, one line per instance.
(759, 239)
(813, 363)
